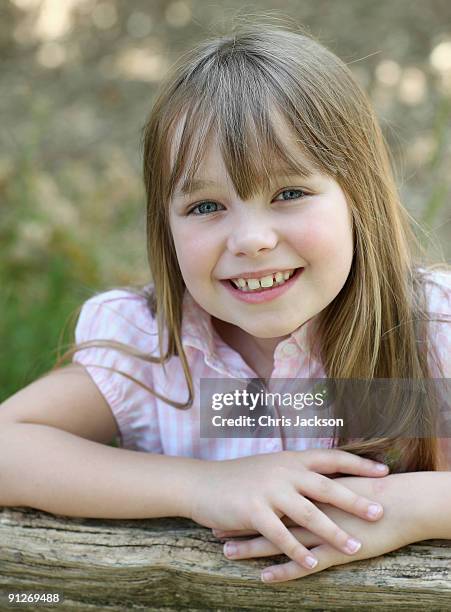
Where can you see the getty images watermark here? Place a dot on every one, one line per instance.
(318, 408)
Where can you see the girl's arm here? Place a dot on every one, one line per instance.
(54, 456)
(59, 472)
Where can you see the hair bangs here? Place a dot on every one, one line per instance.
(250, 129)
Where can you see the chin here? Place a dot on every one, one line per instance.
(267, 333)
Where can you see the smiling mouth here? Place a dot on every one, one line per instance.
(266, 283)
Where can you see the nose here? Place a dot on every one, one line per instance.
(251, 235)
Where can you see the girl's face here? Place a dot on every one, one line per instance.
(298, 223)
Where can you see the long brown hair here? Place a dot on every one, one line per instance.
(376, 327)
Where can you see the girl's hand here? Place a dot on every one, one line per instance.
(397, 528)
(254, 492)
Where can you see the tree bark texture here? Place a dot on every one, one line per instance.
(175, 564)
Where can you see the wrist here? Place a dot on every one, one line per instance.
(191, 483)
(180, 478)
(436, 489)
(427, 500)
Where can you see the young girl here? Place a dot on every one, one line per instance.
(263, 161)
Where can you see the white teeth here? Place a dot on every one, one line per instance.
(253, 284)
(266, 281)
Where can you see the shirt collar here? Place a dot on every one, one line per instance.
(198, 331)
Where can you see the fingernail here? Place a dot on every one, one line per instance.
(310, 562)
(353, 545)
(381, 467)
(267, 576)
(374, 510)
(230, 549)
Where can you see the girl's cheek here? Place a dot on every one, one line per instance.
(189, 243)
(313, 241)
(197, 255)
(321, 236)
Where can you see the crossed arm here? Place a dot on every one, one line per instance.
(417, 506)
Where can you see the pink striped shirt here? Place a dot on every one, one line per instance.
(148, 424)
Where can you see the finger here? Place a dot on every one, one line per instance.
(312, 518)
(326, 555)
(323, 489)
(329, 461)
(262, 547)
(272, 528)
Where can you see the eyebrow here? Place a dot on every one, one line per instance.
(199, 184)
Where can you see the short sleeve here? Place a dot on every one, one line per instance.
(124, 317)
(438, 293)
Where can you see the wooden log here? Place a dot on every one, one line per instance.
(172, 564)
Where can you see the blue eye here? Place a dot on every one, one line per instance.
(295, 191)
(208, 204)
(198, 206)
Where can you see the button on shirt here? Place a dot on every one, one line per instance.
(147, 423)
